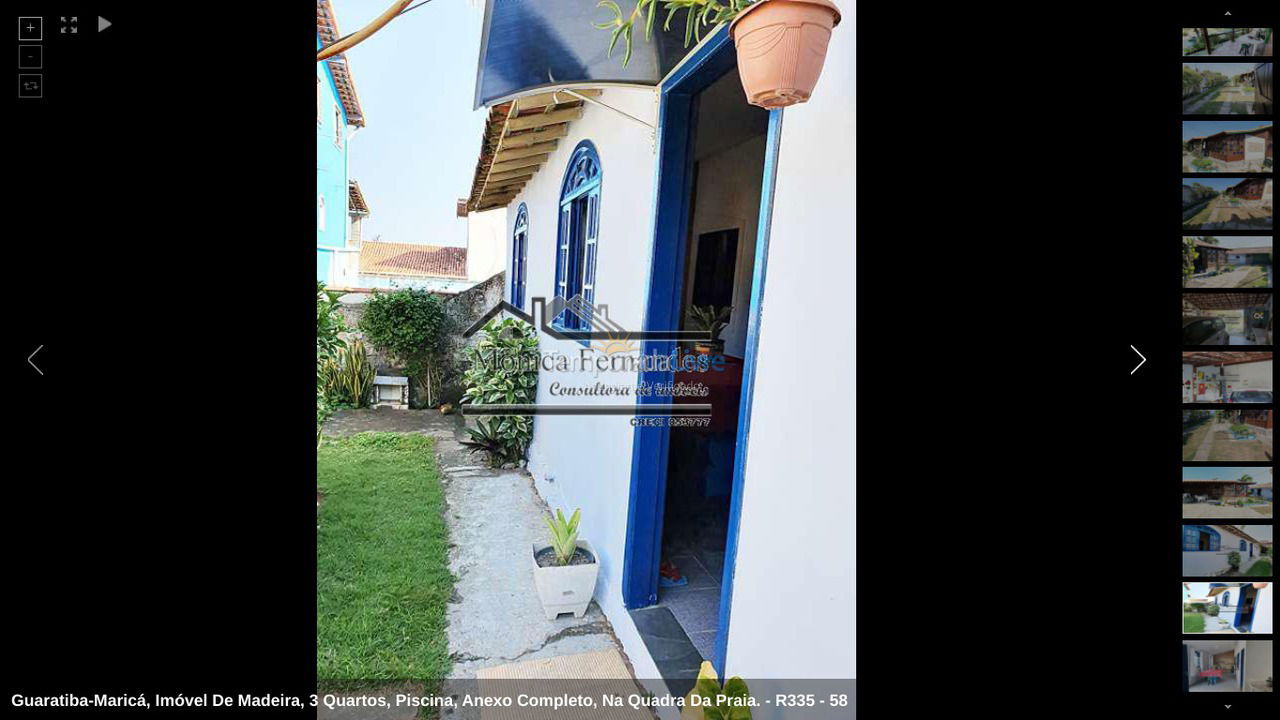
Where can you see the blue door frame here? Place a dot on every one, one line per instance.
(671, 213)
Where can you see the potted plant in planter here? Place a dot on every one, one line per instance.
(564, 572)
(711, 319)
(781, 44)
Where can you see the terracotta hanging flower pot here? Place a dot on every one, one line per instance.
(781, 47)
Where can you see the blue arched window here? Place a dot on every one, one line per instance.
(1243, 546)
(519, 255)
(579, 228)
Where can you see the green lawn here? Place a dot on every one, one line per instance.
(1262, 568)
(382, 572)
(1192, 622)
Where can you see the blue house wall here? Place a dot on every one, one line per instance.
(331, 170)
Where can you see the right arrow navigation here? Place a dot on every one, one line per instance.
(1144, 359)
(103, 23)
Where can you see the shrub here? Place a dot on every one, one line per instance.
(348, 376)
(328, 324)
(1212, 610)
(411, 326)
(1233, 559)
(502, 369)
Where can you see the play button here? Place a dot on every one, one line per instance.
(103, 23)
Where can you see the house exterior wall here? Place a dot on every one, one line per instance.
(487, 244)
(798, 492)
(1263, 618)
(331, 172)
(1214, 562)
(433, 284)
(586, 461)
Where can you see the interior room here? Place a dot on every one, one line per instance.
(728, 168)
(1227, 666)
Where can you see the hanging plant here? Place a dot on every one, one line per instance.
(781, 44)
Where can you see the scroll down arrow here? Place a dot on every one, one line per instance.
(32, 364)
(1144, 359)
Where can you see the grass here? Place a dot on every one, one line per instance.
(1192, 442)
(382, 569)
(1262, 568)
(1192, 622)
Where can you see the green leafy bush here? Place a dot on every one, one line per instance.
(1212, 610)
(410, 325)
(1233, 559)
(502, 369)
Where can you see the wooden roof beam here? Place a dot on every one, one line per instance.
(539, 135)
(527, 151)
(521, 174)
(554, 117)
(531, 161)
(551, 98)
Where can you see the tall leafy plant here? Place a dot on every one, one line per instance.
(699, 15)
(564, 534)
(502, 369)
(328, 324)
(412, 326)
(348, 376)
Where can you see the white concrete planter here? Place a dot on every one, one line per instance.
(565, 588)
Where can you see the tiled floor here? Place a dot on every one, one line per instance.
(696, 606)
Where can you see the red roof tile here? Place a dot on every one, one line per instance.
(327, 28)
(385, 258)
(356, 203)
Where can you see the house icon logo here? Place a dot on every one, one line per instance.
(605, 335)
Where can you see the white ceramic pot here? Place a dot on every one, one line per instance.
(565, 588)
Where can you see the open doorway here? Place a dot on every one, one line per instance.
(716, 165)
(728, 150)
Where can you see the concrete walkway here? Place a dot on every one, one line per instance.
(494, 517)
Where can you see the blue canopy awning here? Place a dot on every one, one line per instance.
(530, 44)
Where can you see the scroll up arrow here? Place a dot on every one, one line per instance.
(1144, 359)
(32, 364)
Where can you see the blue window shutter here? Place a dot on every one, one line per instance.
(1190, 537)
(1243, 546)
(519, 256)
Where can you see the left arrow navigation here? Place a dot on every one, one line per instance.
(31, 359)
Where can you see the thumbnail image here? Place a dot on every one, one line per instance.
(1226, 88)
(1232, 376)
(1226, 203)
(1226, 492)
(1236, 317)
(1226, 666)
(1229, 435)
(1226, 608)
(1226, 146)
(1226, 42)
(1228, 550)
(1210, 261)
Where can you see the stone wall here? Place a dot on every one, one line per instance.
(462, 310)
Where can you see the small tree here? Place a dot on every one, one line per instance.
(411, 325)
(1233, 559)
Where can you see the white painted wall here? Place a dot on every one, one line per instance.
(487, 243)
(1263, 618)
(721, 205)
(1258, 663)
(798, 498)
(586, 461)
(1249, 375)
